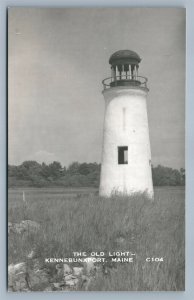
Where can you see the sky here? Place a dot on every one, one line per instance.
(57, 59)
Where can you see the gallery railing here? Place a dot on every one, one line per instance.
(125, 80)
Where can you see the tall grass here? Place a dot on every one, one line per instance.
(90, 223)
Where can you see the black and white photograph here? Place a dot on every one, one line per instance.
(96, 149)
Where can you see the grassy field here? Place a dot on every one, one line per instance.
(79, 220)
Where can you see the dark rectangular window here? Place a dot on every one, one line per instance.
(123, 155)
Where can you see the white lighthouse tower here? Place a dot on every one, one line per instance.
(126, 155)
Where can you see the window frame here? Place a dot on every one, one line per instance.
(121, 155)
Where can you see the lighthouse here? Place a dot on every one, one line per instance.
(126, 154)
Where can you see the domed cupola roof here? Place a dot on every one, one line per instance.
(124, 57)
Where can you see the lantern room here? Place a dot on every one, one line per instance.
(124, 70)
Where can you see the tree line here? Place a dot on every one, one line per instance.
(32, 173)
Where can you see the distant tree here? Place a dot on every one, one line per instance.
(93, 179)
(73, 168)
(45, 171)
(166, 176)
(22, 172)
(12, 171)
(84, 169)
(55, 170)
(29, 164)
(31, 173)
(28, 169)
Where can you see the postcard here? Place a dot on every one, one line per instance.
(96, 142)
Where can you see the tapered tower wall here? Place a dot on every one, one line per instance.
(126, 125)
